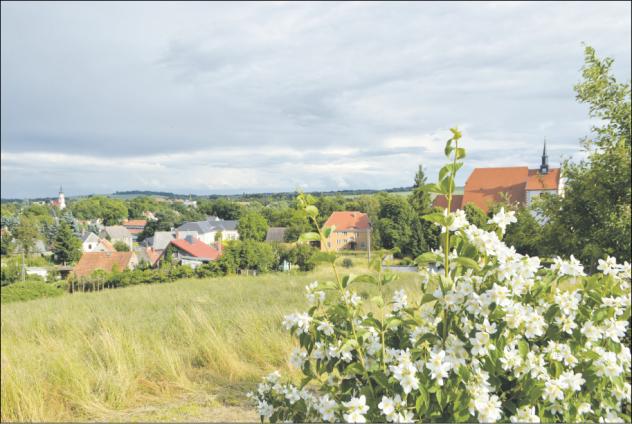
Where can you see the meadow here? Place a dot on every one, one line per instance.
(183, 351)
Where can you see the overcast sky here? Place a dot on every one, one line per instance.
(230, 97)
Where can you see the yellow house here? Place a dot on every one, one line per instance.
(352, 231)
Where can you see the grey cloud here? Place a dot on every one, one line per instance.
(119, 82)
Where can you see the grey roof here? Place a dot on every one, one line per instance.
(276, 234)
(160, 240)
(90, 237)
(117, 232)
(203, 227)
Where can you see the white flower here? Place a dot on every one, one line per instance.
(405, 372)
(591, 331)
(526, 414)
(327, 408)
(488, 408)
(607, 365)
(351, 298)
(571, 267)
(615, 330)
(609, 266)
(459, 220)
(265, 410)
(300, 321)
(298, 358)
(326, 328)
(356, 409)
(553, 391)
(611, 417)
(481, 344)
(572, 381)
(584, 408)
(438, 367)
(273, 377)
(503, 219)
(387, 406)
(511, 358)
(566, 323)
(405, 416)
(400, 300)
(292, 395)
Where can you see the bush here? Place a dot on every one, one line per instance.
(28, 290)
(494, 336)
(347, 263)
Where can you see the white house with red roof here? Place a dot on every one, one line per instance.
(193, 252)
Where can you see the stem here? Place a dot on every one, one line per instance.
(446, 249)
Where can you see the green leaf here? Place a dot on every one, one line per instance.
(328, 230)
(467, 262)
(428, 297)
(365, 278)
(312, 211)
(354, 369)
(427, 258)
(376, 264)
(378, 300)
(460, 153)
(448, 148)
(523, 347)
(380, 379)
(348, 279)
(437, 218)
(444, 171)
(309, 237)
(433, 188)
(456, 134)
(393, 322)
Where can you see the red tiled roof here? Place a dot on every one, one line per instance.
(349, 220)
(108, 246)
(197, 249)
(135, 223)
(441, 202)
(549, 181)
(134, 230)
(485, 185)
(106, 261)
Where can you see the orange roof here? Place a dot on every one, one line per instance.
(106, 261)
(441, 202)
(197, 249)
(345, 221)
(108, 246)
(135, 223)
(485, 185)
(134, 230)
(549, 181)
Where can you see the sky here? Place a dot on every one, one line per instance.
(206, 98)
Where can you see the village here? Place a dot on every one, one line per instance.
(194, 243)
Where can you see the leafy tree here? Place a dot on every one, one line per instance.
(111, 211)
(475, 215)
(26, 234)
(592, 219)
(297, 226)
(252, 226)
(121, 246)
(395, 223)
(303, 256)
(525, 234)
(67, 246)
(225, 209)
(420, 198)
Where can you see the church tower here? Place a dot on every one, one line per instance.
(544, 167)
(61, 199)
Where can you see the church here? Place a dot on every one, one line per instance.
(520, 184)
(60, 202)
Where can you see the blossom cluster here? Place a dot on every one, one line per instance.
(497, 336)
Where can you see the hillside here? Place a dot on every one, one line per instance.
(185, 351)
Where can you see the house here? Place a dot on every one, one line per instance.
(276, 234)
(60, 202)
(148, 255)
(352, 231)
(160, 240)
(116, 233)
(93, 243)
(194, 252)
(106, 261)
(206, 231)
(135, 226)
(520, 184)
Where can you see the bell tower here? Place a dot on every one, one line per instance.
(544, 167)
(61, 199)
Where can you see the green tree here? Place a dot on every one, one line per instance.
(26, 234)
(592, 219)
(252, 226)
(525, 234)
(420, 198)
(475, 215)
(121, 246)
(67, 246)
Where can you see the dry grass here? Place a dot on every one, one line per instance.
(185, 351)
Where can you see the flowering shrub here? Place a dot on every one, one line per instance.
(495, 336)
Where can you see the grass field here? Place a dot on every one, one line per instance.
(183, 351)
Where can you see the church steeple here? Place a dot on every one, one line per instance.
(544, 167)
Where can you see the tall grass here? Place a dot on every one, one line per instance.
(85, 356)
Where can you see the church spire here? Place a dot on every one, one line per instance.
(544, 167)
